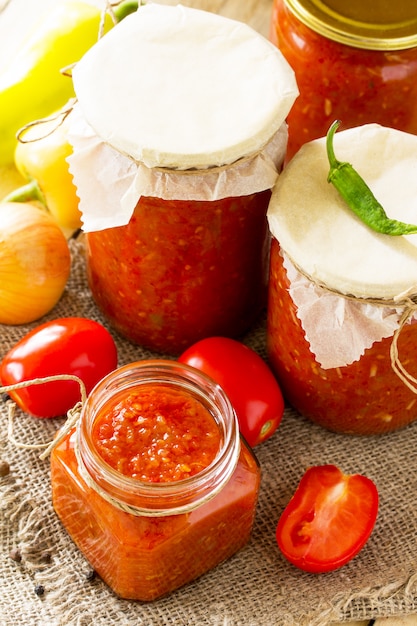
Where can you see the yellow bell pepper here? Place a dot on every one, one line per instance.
(33, 85)
(42, 162)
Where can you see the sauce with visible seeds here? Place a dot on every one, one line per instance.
(156, 434)
(365, 397)
(338, 81)
(144, 529)
(182, 270)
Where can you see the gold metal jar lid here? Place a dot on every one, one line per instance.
(375, 25)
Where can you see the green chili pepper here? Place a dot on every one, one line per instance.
(358, 196)
(32, 86)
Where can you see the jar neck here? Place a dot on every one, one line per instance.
(163, 498)
(375, 25)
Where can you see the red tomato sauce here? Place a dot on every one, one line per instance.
(143, 557)
(182, 270)
(365, 397)
(337, 81)
(156, 435)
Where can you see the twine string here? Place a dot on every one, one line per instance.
(63, 113)
(73, 417)
(73, 414)
(73, 421)
(406, 302)
(401, 301)
(67, 72)
(408, 380)
(59, 118)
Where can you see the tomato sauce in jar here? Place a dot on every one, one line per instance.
(354, 61)
(365, 397)
(174, 190)
(341, 324)
(155, 486)
(189, 270)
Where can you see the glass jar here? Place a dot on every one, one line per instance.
(354, 61)
(341, 322)
(174, 191)
(181, 271)
(365, 397)
(155, 485)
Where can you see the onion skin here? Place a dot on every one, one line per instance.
(35, 263)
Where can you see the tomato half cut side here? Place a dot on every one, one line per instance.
(328, 520)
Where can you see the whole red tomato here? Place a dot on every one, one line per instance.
(328, 520)
(247, 380)
(71, 345)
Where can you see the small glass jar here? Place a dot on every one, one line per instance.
(341, 322)
(354, 61)
(174, 190)
(147, 536)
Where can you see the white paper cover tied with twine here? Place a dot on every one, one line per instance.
(179, 104)
(110, 184)
(352, 286)
(338, 329)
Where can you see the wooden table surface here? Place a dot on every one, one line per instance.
(17, 18)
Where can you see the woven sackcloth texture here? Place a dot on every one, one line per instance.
(254, 588)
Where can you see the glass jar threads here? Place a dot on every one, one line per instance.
(174, 159)
(354, 61)
(342, 329)
(155, 485)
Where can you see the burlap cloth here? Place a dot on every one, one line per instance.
(254, 588)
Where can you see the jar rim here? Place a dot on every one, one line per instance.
(143, 498)
(360, 24)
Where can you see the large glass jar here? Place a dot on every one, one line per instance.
(365, 397)
(174, 160)
(190, 270)
(354, 61)
(155, 485)
(342, 327)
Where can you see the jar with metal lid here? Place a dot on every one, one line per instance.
(354, 61)
(155, 485)
(341, 330)
(179, 134)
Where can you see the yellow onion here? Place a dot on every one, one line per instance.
(34, 263)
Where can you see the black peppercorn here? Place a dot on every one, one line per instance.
(39, 589)
(90, 576)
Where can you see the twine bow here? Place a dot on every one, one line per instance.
(73, 420)
(408, 380)
(73, 414)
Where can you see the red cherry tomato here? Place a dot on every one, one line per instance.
(72, 345)
(328, 520)
(246, 379)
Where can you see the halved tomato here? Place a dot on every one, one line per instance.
(328, 520)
